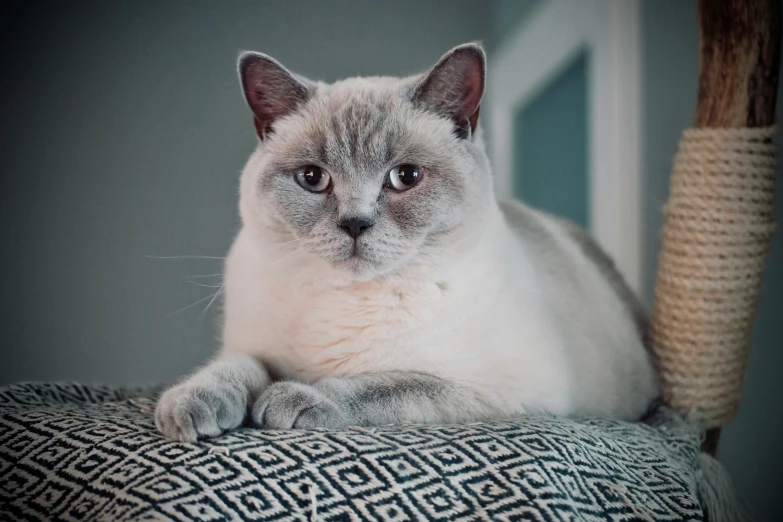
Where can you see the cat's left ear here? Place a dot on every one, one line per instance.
(454, 87)
(271, 90)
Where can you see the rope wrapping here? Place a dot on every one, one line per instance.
(718, 226)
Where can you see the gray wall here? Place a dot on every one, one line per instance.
(670, 70)
(751, 444)
(507, 15)
(123, 134)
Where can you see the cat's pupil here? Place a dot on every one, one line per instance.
(313, 176)
(408, 174)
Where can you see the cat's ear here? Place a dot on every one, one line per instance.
(454, 87)
(271, 90)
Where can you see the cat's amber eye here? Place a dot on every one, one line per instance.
(313, 178)
(403, 177)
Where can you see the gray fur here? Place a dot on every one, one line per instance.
(270, 89)
(558, 272)
(527, 224)
(212, 401)
(454, 87)
(357, 130)
(606, 266)
(367, 400)
(286, 405)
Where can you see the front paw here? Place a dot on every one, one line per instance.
(195, 410)
(286, 405)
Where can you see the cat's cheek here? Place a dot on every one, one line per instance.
(410, 215)
(304, 212)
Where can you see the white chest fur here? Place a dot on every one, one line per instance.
(309, 328)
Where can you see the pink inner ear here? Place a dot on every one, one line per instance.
(455, 85)
(474, 88)
(264, 110)
(271, 92)
(266, 104)
(267, 109)
(473, 120)
(271, 107)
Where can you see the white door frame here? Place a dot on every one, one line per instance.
(530, 58)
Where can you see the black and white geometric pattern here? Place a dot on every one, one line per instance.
(76, 452)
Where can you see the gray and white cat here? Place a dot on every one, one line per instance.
(377, 280)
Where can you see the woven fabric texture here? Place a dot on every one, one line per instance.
(75, 452)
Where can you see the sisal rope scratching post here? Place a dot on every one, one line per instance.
(715, 241)
(719, 218)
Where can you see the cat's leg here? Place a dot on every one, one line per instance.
(212, 400)
(369, 400)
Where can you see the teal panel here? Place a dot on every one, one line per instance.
(550, 146)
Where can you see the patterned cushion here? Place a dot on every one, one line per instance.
(75, 452)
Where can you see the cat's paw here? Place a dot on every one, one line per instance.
(286, 405)
(194, 410)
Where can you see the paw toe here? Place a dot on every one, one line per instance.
(187, 413)
(281, 404)
(323, 415)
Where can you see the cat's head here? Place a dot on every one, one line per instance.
(368, 174)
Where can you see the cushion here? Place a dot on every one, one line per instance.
(79, 452)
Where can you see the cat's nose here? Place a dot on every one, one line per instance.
(355, 226)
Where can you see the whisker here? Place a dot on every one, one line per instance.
(191, 305)
(293, 241)
(201, 276)
(204, 311)
(202, 284)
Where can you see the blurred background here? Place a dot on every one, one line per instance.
(123, 132)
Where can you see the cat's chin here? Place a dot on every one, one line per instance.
(359, 268)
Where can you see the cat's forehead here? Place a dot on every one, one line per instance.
(358, 86)
(364, 124)
(358, 101)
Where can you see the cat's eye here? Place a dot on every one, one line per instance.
(403, 177)
(313, 178)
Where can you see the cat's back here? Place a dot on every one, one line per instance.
(599, 321)
(564, 251)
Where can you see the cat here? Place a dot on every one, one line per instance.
(376, 279)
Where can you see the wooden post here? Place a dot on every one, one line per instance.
(739, 64)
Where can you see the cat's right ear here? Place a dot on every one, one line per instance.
(271, 90)
(454, 87)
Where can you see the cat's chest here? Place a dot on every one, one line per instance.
(362, 327)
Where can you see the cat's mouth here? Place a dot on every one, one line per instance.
(354, 249)
(356, 253)
(358, 261)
